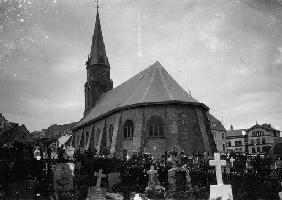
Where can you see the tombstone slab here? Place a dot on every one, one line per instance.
(97, 193)
(63, 178)
(223, 192)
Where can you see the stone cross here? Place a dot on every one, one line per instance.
(232, 161)
(152, 173)
(100, 175)
(218, 163)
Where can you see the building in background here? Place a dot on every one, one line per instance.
(261, 138)
(219, 133)
(236, 140)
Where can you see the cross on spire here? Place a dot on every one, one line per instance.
(97, 3)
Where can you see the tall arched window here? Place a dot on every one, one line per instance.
(98, 132)
(111, 131)
(128, 129)
(86, 138)
(156, 127)
(82, 140)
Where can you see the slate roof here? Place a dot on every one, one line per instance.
(215, 124)
(98, 51)
(152, 86)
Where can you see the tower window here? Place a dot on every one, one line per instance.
(155, 126)
(128, 129)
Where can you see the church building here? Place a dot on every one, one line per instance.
(150, 112)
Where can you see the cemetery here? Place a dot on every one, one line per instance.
(174, 177)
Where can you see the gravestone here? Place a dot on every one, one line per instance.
(219, 191)
(96, 192)
(232, 161)
(152, 173)
(180, 182)
(113, 178)
(63, 177)
(171, 181)
(54, 155)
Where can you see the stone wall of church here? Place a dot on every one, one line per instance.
(189, 130)
(181, 128)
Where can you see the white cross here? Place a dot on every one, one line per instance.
(232, 161)
(151, 173)
(100, 175)
(218, 163)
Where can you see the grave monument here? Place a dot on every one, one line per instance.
(219, 191)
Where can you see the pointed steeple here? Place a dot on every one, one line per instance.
(98, 51)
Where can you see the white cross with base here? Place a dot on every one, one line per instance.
(232, 161)
(218, 163)
(151, 173)
(100, 175)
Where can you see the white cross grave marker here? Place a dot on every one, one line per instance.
(151, 173)
(218, 163)
(100, 175)
(232, 161)
(219, 191)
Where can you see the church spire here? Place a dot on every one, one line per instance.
(98, 51)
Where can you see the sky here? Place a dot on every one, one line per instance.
(228, 53)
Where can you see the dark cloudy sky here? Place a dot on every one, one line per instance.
(227, 52)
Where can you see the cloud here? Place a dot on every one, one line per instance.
(209, 32)
(278, 56)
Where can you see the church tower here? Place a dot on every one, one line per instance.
(98, 69)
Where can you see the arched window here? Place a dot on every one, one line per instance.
(128, 129)
(86, 138)
(98, 132)
(82, 140)
(155, 126)
(111, 131)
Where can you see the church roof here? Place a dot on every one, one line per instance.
(98, 51)
(152, 86)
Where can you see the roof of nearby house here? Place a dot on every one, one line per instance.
(18, 134)
(152, 86)
(215, 124)
(235, 133)
(263, 126)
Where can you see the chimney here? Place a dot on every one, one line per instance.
(231, 128)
